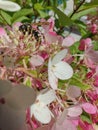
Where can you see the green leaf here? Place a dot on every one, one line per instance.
(38, 6)
(42, 13)
(95, 43)
(34, 1)
(82, 13)
(33, 73)
(82, 27)
(86, 119)
(79, 83)
(28, 82)
(61, 84)
(63, 19)
(1, 20)
(92, 4)
(21, 13)
(20, 19)
(40, 10)
(74, 48)
(5, 17)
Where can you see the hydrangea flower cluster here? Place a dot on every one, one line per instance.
(47, 81)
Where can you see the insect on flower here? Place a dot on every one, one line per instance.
(26, 28)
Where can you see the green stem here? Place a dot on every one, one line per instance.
(77, 8)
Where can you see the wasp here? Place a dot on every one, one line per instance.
(26, 28)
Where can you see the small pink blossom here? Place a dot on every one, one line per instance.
(94, 28)
(85, 43)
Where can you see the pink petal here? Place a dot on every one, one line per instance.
(51, 26)
(67, 125)
(89, 108)
(73, 91)
(36, 60)
(91, 54)
(94, 28)
(89, 63)
(85, 43)
(2, 32)
(68, 41)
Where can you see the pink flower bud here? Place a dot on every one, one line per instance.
(93, 29)
(84, 43)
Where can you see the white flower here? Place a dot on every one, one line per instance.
(14, 100)
(58, 69)
(40, 109)
(9, 5)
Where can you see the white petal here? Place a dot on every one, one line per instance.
(59, 56)
(47, 97)
(41, 112)
(63, 70)
(5, 87)
(77, 37)
(9, 6)
(36, 60)
(74, 111)
(21, 97)
(11, 119)
(53, 81)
